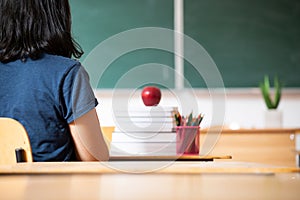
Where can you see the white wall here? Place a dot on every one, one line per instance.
(242, 107)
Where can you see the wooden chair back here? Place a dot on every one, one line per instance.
(13, 141)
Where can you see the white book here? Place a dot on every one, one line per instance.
(146, 111)
(133, 127)
(145, 119)
(143, 137)
(147, 123)
(118, 149)
(151, 108)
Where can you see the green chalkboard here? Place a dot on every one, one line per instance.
(245, 38)
(96, 21)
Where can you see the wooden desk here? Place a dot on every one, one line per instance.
(176, 180)
(269, 146)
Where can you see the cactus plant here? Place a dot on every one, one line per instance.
(265, 89)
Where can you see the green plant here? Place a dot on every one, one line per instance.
(266, 92)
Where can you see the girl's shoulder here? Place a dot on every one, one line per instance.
(61, 61)
(56, 64)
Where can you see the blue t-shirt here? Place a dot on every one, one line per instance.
(45, 95)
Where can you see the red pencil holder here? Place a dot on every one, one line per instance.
(187, 140)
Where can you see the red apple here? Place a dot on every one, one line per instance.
(151, 96)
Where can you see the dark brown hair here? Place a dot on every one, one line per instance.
(29, 28)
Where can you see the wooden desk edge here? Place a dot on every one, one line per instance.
(130, 168)
(186, 171)
(254, 130)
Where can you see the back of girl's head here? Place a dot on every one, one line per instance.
(29, 28)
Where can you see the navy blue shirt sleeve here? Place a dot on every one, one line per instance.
(77, 94)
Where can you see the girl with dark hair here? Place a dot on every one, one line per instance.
(42, 87)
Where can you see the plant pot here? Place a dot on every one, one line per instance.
(273, 118)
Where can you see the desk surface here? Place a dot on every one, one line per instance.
(158, 167)
(176, 180)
